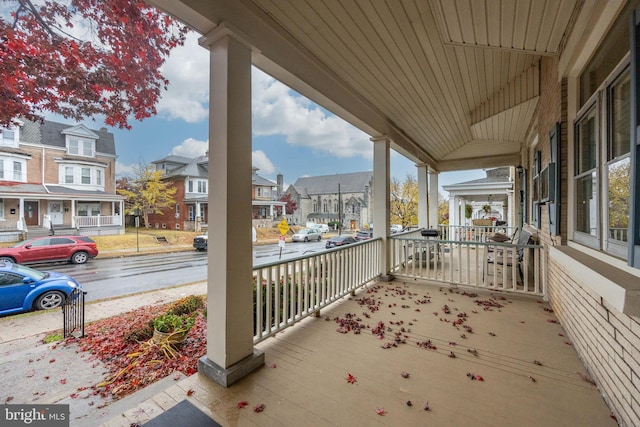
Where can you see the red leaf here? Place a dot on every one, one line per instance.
(381, 412)
(242, 404)
(351, 379)
(190, 392)
(63, 381)
(52, 360)
(8, 399)
(259, 408)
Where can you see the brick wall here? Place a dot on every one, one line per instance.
(607, 341)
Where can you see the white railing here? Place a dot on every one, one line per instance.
(488, 265)
(475, 233)
(97, 221)
(286, 292)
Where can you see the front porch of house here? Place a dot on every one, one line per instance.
(526, 370)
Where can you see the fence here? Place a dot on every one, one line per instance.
(509, 267)
(98, 220)
(73, 313)
(286, 292)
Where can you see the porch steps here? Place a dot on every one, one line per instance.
(59, 230)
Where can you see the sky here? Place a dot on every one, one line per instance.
(291, 135)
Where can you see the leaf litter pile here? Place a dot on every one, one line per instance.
(397, 332)
(122, 343)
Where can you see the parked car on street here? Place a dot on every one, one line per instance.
(339, 241)
(307, 234)
(23, 288)
(363, 235)
(75, 249)
(200, 242)
(396, 228)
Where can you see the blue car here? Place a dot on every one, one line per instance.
(24, 289)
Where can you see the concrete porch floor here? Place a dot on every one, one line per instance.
(531, 374)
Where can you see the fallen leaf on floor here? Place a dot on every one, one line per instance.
(190, 392)
(259, 408)
(452, 355)
(409, 403)
(351, 379)
(381, 412)
(427, 407)
(537, 362)
(242, 404)
(586, 378)
(404, 374)
(176, 377)
(532, 379)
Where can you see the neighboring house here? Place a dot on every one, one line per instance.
(190, 177)
(54, 175)
(319, 198)
(495, 190)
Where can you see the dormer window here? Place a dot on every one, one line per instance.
(80, 146)
(9, 137)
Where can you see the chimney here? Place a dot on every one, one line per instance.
(279, 181)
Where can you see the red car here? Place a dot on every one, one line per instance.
(75, 249)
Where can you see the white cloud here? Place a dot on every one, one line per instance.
(190, 148)
(260, 160)
(187, 70)
(279, 111)
(126, 170)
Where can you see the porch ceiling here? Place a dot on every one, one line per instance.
(454, 83)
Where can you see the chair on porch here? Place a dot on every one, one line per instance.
(425, 252)
(507, 257)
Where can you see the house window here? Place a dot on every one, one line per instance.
(259, 191)
(9, 137)
(1, 208)
(68, 175)
(190, 186)
(202, 213)
(192, 213)
(324, 206)
(86, 176)
(266, 192)
(17, 171)
(315, 207)
(202, 187)
(81, 147)
(98, 177)
(177, 210)
(1, 169)
(602, 167)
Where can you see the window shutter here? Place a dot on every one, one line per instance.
(554, 207)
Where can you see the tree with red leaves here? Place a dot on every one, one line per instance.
(84, 58)
(291, 204)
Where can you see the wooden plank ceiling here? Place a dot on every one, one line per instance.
(453, 82)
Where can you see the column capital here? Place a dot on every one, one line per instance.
(381, 138)
(223, 30)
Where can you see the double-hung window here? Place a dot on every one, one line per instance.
(601, 179)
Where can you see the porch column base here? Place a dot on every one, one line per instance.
(386, 277)
(235, 372)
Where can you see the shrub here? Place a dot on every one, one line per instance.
(169, 322)
(141, 333)
(187, 305)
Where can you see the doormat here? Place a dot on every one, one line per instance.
(183, 414)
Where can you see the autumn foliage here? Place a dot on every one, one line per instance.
(85, 58)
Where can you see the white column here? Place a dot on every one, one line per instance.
(382, 197)
(230, 353)
(462, 211)
(510, 211)
(452, 209)
(433, 200)
(424, 198)
(73, 213)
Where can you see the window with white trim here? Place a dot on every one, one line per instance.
(85, 177)
(68, 175)
(602, 170)
(81, 147)
(267, 192)
(9, 136)
(13, 169)
(82, 175)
